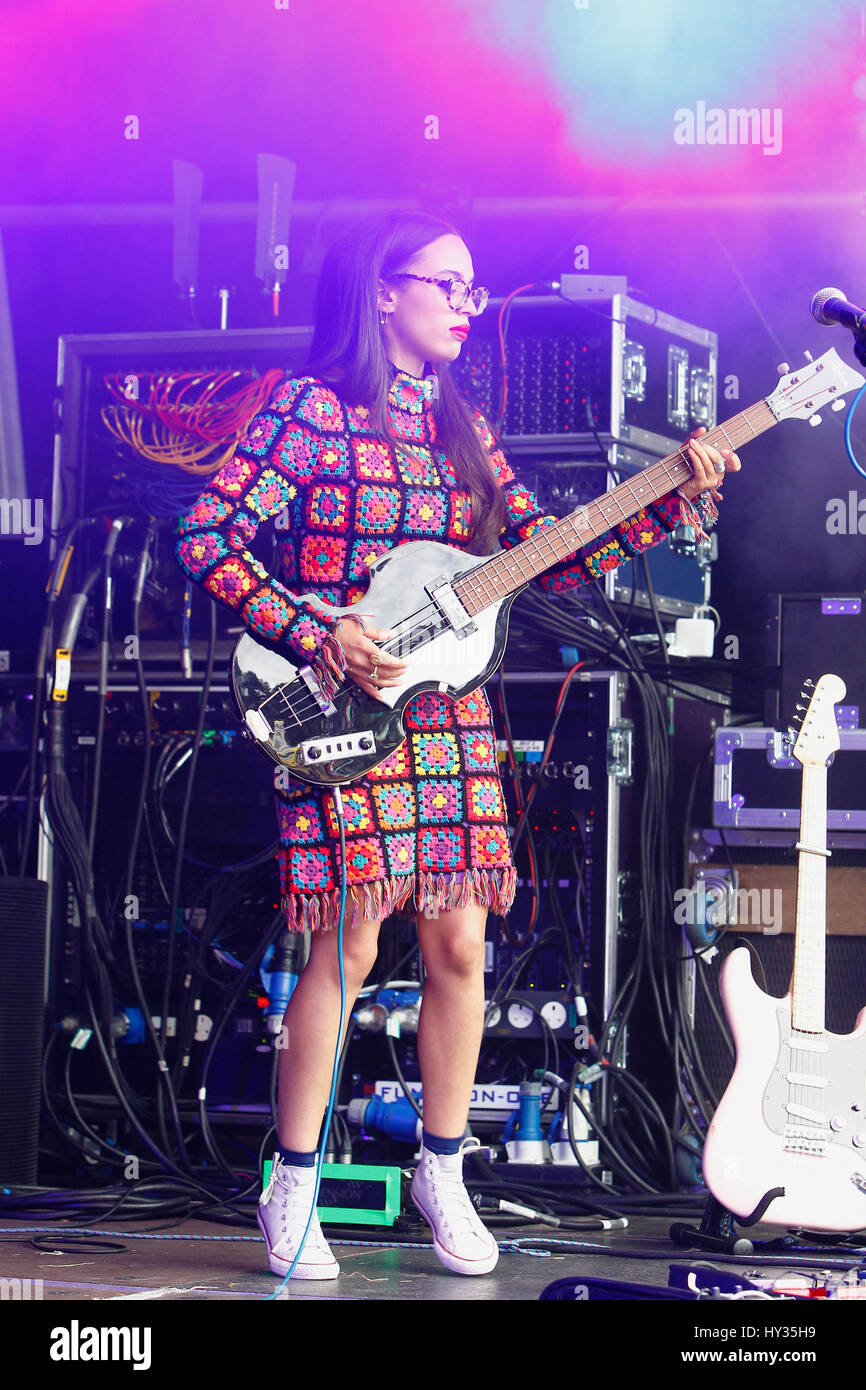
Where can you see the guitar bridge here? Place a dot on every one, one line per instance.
(308, 676)
(800, 1139)
(442, 593)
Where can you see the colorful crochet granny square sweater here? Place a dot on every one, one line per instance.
(428, 825)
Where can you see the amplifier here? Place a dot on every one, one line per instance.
(233, 823)
(810, 635)
(575, 825)
(584, 366)
(845, 990)
(765, 863)
(680, 566)
(679, 570)
(92, 470)
(758, 783)
(23, 913)
(763, 895)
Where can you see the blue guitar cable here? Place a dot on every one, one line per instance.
(849, 448)
(338, 807)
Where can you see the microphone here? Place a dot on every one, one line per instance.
(830, 306)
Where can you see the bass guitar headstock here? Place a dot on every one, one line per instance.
(801, 394)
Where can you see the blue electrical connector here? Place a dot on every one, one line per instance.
(395, 1118)
(524, 1126)
(278, 986)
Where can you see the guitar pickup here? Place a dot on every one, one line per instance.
(802, 1112)
(442, 593)
(334, 750)
(257, 725)
(308, 676)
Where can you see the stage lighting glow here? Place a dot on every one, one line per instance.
(621, 69)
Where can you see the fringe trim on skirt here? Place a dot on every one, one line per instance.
(430, 894)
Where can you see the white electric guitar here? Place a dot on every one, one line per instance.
(787, 1144)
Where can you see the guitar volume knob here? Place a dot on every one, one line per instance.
(858, 1139)
(365, 744)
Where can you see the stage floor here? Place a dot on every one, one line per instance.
(197, 1260)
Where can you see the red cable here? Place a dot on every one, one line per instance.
(500, 335)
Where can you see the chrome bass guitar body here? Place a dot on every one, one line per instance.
(333, 740)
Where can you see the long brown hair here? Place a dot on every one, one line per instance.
(347, 350)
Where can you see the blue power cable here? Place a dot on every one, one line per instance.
(338, 807)
(848, 418)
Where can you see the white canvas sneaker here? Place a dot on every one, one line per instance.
(282, 1215)
(460, 1239)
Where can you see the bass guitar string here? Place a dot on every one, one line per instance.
(475, 583)
(301, 704)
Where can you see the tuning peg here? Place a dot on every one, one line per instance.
(807, 355)
(792, 731)
(783, 367)
(838, 405)
(810, 683)
(814, 420)
(802, 707)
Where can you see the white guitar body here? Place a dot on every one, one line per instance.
(787, 1144)
(752, 1144)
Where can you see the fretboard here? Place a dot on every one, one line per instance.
(513, 568)
(810, 939)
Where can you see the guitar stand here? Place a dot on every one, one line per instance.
(717, 1231)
